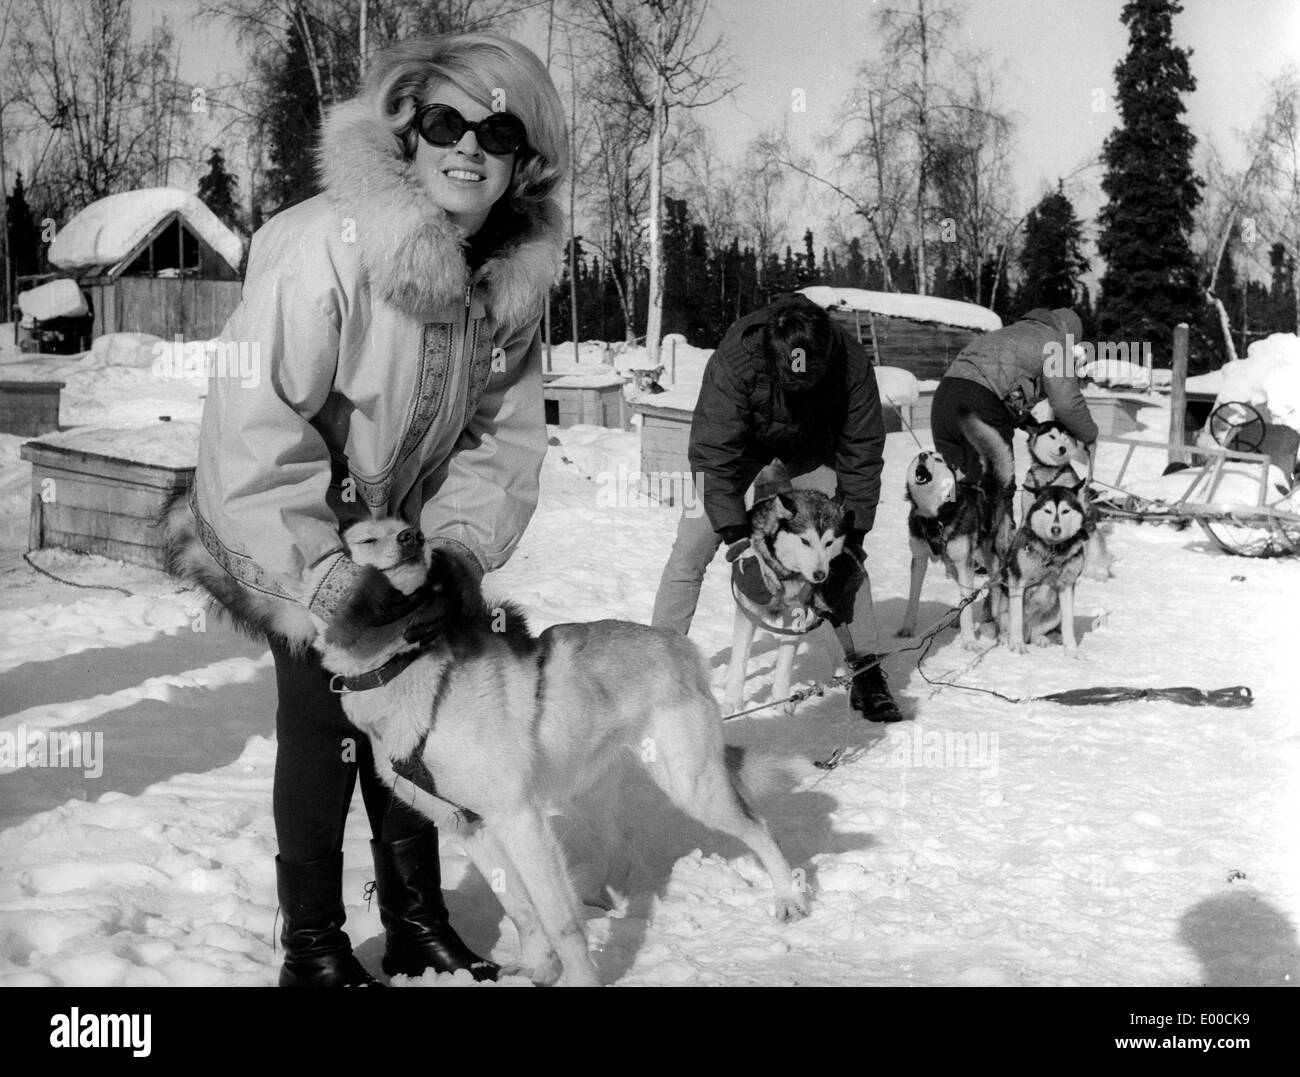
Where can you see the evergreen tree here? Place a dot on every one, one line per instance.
(876, 272)
(1150, 280)
(906, 276)
(1281, 292)
(290, 126)
(217, 192)
(1052, 260)
(1083, 308)
(26, 251)
(855, 268)
(806, 271)
(995, 290)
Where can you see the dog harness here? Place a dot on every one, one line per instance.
(933, 530)
(1065, 469)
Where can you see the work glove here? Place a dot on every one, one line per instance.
(854, 538)
(737, 539)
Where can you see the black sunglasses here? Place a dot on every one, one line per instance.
(500, 133)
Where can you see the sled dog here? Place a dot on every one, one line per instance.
(509, 728)
(1051, 448)
(1036, 589)
(967, 525)
(794, 537)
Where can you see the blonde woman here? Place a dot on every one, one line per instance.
(396, 317)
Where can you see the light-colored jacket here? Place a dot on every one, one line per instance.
(389, 380)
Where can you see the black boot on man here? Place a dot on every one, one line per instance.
(316, 951)
(408, 882)
(869, 695)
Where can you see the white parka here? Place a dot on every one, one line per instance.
(388, 379)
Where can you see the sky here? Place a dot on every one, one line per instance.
(1055, 59)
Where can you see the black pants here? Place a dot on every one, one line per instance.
(318, 756)
(954, 398)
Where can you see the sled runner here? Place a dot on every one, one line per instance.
(1268, 527)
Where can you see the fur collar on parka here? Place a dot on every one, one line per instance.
(413, 255)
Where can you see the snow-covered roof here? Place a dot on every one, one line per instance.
(920, 308)
(54, 299)
(105, 232)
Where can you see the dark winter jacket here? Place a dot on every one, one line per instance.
(744, 420)
(1010, 362)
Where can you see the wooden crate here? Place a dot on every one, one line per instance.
(1114, 415)
(592, 406)
(665, 437)
(29, 407)
(93, 503)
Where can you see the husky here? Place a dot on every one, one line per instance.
(1042, 565)
(502, 728)
(1051, 449)
(794, 537)
(966, 525)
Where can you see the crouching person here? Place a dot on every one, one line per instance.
(786, 394)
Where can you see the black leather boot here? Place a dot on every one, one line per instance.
(408, 882)
(316, 951)
(869, 696)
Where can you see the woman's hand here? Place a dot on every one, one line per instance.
(374, 602)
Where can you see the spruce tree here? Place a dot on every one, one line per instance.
(25, 247)
(1052, 260)
(1281, 292)
(217, 191)
(1150, 280)
(289, 125)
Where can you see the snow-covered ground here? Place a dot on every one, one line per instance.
(1140, 843)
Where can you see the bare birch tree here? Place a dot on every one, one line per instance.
(92, 97)
(652, 62)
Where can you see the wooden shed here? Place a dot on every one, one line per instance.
(155, 261)
(918, 333)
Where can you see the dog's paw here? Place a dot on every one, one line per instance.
(907, 630)
(1018, 648)
(730, 704)
(1042, 641)
(787, 708)
(975, 645)
(544, 973)
(1100, 573)
(790, 909)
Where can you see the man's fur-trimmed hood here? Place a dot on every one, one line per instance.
(413, 255)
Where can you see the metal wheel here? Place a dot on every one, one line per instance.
(1236, 425)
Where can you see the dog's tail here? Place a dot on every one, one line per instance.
(999, 462)
(755, 774)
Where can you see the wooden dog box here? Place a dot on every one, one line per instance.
(103, 492)
(29, 406)
(591, 399)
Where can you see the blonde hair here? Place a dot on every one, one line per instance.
(492, 70)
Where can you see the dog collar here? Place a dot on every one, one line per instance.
(341, 684)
